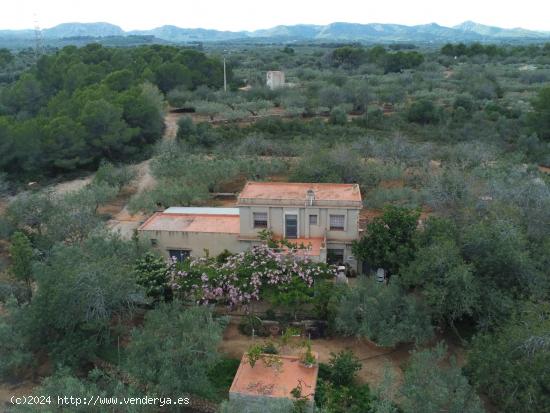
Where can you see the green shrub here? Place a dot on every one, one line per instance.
(16, 356)
(221, 375)
(175, 349)
(108, 174)
(343, 367)
(423, 112)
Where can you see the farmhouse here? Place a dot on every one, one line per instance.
(322, 218)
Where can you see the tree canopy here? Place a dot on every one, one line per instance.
(518, 354)
(80, 105)
(388, 242)
(174, 350)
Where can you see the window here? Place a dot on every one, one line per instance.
(313, 220)
(154, 242)
(291, 226)
(179, 255)
(337, 222)
(335, 256)
(260, 219)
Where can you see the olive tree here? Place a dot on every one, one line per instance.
(173, 351)
(383, 314)
(431, 388)
(389, 239)
(510, 365)
(445, 281)
(81, 288)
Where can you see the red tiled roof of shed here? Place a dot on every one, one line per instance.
(262, 380)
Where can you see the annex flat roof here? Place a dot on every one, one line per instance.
(209, 223)
(297, 192)
(265, 381)
(202, 211)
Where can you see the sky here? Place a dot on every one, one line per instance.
(238, 15)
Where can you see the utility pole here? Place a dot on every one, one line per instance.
(224, 77)
(367, 108)
(37, 38)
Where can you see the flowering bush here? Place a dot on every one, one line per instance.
(248, 276)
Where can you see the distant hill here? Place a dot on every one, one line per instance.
(340, 31)
(83, 29)
(392, 32)
(299, 31)
(492, 31)
(177, 34)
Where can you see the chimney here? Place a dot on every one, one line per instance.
(310, 197)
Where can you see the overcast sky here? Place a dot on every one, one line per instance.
(255, 14)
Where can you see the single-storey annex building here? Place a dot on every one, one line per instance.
(254, 386)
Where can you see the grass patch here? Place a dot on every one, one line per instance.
(222, 374)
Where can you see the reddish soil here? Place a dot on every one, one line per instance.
(278, 178)
(229, 202)
(367, 215)
(392, 183)
(234, 185)
(20, 389)
(375, 360)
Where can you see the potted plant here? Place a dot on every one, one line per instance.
(267, 352)
(274, 330)
(254, 353)
(308, 358)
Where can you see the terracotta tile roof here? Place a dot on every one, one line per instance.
(223, 224)
(298, 191)
(262, 380)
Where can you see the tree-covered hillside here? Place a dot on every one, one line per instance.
(80, 105)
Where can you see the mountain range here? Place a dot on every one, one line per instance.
(373, 32)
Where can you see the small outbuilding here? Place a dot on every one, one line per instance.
(254, 385)
(275, 79)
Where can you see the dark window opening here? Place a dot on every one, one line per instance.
(179, 255)
(291, 226)
(260, 219)
(335, 256)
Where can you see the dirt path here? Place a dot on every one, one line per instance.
(123, 221)
(171, 123)
(73, 185)
(144, 179)
(21, 389)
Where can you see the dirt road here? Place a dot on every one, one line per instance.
(123, 221)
